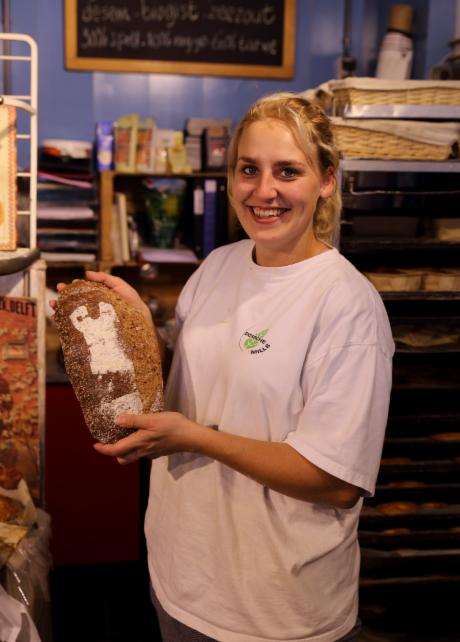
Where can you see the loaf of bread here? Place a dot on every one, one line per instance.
(398, 508)
(10, 509)
(111, 357)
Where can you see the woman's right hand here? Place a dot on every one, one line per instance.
(123, 289)
(117, 285)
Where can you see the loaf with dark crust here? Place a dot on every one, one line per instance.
(111, 357)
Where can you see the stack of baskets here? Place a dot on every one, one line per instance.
(394, 138)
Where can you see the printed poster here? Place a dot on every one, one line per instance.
(19, 390)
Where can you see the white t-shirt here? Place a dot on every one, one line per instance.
(300, 354)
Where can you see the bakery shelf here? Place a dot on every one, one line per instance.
(396, 244)
(420, 296)
(372, 165)
(449, 348)
(112, 174)
(17, 260)
(428, 378)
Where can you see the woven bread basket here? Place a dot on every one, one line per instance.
(416, 96)
(366, 143)
(374, 91)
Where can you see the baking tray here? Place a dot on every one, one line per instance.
(424, 492)
(420, 540)
(434, 471)
(373, 519)
(422, 424)
(410, 562)
(422, 448)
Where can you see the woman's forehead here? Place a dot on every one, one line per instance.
(277, 137)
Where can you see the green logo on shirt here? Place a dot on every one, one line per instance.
(254, 343)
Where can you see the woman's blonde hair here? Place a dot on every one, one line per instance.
(312, 131)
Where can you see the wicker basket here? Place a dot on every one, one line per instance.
(362, 143)
(421, 96)
(373, 91)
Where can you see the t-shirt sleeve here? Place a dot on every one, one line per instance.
(185, 300)
(342, 425)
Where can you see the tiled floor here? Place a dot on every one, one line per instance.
(110, 603)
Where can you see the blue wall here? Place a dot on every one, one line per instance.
(71, 102)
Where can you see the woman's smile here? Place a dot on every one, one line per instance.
(268, 214)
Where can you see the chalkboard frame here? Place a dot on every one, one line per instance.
(79, 63)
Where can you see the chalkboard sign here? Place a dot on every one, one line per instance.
(253, 38)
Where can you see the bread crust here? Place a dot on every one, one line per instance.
(10, 509)
(111, 357)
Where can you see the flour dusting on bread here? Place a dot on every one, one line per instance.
(111, 356)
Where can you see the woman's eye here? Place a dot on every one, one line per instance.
(249, 170)
(289, 172)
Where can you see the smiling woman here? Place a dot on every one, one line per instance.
(276, 406)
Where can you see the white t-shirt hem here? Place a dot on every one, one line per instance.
(224, 635)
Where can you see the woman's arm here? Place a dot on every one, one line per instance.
(275, 465)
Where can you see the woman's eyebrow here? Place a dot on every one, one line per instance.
(278, 163)
(290, 162)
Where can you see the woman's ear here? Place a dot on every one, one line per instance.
(329, 183)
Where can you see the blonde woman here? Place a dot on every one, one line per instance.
(277, 401)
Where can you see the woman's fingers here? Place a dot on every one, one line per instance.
(103, 277)
(123, 447)
(126, 450)
(135, 421)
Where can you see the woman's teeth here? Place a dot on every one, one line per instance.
(266, 213)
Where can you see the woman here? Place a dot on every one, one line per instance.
(280, 386)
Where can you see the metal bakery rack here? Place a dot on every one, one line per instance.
(410, 530)
(22, 272)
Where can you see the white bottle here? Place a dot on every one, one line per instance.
(396, 52)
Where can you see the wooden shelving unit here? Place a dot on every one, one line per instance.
(107, 181)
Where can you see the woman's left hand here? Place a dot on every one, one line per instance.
(158, 434)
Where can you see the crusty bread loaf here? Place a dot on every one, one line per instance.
(111, 356)
(398, 508)
(10, 509)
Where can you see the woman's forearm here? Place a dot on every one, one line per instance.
(277, 466)
(273, 464)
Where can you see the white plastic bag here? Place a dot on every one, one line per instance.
(13, 615)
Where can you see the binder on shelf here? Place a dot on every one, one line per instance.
(122, 214)
(115, 235)
(198, 215)
(209, 216)
(221, 213)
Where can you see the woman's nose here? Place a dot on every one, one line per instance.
(266, 186)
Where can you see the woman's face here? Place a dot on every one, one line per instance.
(275, 192)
